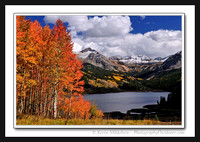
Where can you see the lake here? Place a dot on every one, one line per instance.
(124, 101)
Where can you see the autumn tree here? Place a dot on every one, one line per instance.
(48, 73)
(22, 34)
(63, 52)
(68, 68)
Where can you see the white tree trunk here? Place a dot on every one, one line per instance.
(55, 104)
(70, 107)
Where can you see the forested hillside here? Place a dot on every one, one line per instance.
(98, 80)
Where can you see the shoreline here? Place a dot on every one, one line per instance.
(121, 91)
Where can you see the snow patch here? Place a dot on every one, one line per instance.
(84, 55)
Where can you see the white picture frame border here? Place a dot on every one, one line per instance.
(80, 10)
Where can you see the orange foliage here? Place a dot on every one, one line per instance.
(48, 73)
(99, 114)
(79, 107)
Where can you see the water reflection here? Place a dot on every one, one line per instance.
(124, 101)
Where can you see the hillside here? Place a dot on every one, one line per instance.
(136, 63)
(95, 58)
(170, 65)
(162, 76)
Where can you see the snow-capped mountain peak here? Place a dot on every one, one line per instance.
(132, 59)
(93, 57)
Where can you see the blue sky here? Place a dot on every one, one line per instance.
(122, 35)
(153, 23)
(139, 25)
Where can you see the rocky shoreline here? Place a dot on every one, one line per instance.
(154, 111)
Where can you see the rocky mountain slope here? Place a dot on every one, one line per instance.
(141, 64)
(173, 63)
(95, 58)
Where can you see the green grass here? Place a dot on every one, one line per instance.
(29, 120)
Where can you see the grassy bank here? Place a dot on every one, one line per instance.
(30, 120)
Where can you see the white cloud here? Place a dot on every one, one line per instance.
(73, 32)
(165, 43)
(79, 23)
(96, 26)
(79, 41)
(108, 26)
(164, 35)
(77, 48)
(143, 17)
(110, 35)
